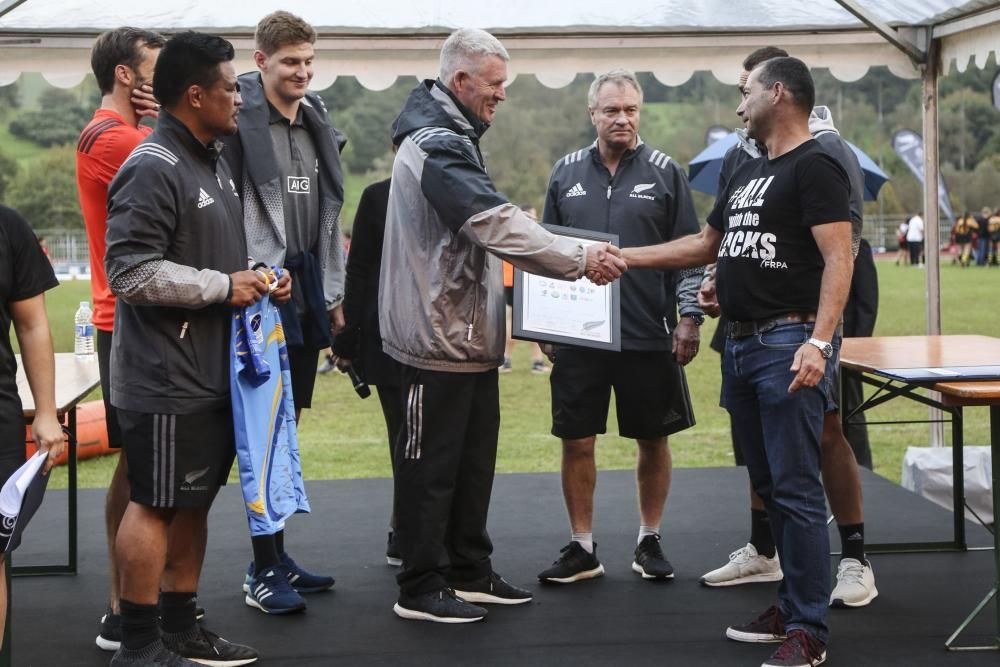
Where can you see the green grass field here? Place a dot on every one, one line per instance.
(344, 436)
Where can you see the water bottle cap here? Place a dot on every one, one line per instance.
(85, 304)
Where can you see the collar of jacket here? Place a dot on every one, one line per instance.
(169, 123)
(595, 151)
(478, 127)
(255, 137)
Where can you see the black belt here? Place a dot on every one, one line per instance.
(754, 327)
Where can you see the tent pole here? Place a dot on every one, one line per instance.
(932, 239)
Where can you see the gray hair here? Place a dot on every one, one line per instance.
(621, 77)
(463, 49)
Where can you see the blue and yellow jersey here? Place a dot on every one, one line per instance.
(266, 441)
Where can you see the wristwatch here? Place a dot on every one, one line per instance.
(826, 349)
(696, 318)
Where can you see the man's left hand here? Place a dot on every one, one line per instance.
(283, 292)
(808, 366)
(144, 103)
(687, 337)
(337, 323)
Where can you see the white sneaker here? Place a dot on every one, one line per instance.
(745, 566)
(855, 584)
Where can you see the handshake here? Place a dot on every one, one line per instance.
(604, 263)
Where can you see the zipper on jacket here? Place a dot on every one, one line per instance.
(184, 328)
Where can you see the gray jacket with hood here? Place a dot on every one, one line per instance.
(441, 304)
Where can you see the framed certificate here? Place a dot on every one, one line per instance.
(568, 312)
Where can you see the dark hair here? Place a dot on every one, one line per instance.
(121, 46)
(762, 54)
(189, 59)
(794, 75)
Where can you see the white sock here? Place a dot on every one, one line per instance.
(586, 540)
(645, 531)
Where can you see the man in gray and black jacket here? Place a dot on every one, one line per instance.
(441, 315)
(176, 260)
(622, 186)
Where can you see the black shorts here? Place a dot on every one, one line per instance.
(651, 394)
(302, 362)
(508, 295)
(177, 460)
(104, 367)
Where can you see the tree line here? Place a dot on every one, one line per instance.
(538, 125)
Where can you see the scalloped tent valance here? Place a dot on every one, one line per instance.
(380, 40)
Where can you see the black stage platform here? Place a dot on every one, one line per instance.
(617, 620)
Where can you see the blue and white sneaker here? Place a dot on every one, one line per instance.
(272, 594)
(302, 581)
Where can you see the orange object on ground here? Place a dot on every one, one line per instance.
(508, 274)
(91, 434)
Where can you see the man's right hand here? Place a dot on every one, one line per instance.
(144, 103)
(604, 263)
(248, 288)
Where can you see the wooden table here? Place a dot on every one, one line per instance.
(75, 378)
(969, 355)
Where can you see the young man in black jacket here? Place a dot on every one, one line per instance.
(176, 260)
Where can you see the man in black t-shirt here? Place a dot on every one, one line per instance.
(781, 232)
(25, 276)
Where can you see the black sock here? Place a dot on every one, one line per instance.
(139, 628)
(265, 552)
(760, 533)
(177, 612)
(279, 541)
(852, 541)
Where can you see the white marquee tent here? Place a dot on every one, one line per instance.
(380, 40)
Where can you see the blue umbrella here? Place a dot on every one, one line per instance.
(704, 168)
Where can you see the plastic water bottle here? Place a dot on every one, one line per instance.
(83, 340)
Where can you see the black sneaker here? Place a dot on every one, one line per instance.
(441, 606)
(154, 655)
(573, 565)
(208, 648)
(768, 628)
(110, 636)
(491, 589)
(650, 561)
(392, 555)
(801, 649)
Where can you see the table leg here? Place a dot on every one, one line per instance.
(71, 491)
(993, 592)
(71, 467)
(958, 477)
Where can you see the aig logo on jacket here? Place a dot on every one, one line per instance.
(298, 185)
(639, 189)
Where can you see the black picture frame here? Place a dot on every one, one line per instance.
(523, 330)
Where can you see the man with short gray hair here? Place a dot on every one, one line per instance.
(441, 315)
(621, 185)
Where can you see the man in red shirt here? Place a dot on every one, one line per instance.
(122, 60)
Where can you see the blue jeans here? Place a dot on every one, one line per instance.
(779, 435)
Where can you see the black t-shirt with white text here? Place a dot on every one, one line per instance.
(769, 264)
(25, 272)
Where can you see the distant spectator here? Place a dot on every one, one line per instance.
(902, 255)
(993, 229)
(915, 239)
(962, 232)
(981, 237)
